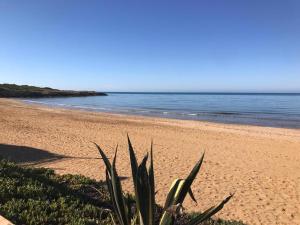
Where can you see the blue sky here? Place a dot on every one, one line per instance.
(213, 45)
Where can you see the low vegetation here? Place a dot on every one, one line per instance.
(37, 196)
(34, 196)
(25, 91)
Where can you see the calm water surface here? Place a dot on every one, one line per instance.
(277, 110)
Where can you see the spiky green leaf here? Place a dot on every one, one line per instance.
(171, 195)
(209, 213)
(104, 158)
(118, 194)
(192, 195)
(133, 161)
(167, 218)
(112, 196)
(189, 180)
(143, 192)
(152, 189)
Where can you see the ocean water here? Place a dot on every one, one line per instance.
(276, 110)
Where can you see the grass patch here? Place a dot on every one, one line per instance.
(38, 196)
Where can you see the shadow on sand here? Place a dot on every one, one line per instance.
(31, 156)
(28, 156)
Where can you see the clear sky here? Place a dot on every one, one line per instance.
(213, 45)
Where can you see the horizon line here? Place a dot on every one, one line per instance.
(203, 92)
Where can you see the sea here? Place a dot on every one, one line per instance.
(262, 109)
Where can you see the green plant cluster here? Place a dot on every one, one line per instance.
(38, 196)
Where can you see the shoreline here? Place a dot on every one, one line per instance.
(188, 123)
(164, 115)
(259, 164)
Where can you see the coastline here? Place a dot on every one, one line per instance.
(214, 117)
(259, 164)
(256, 110)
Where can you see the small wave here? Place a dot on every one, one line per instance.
(226, 113)
(60, 104)
(89, 107)
(144, 111)
(31, 101)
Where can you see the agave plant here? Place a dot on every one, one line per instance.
(141, 210)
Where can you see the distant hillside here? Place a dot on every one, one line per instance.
(25, 91)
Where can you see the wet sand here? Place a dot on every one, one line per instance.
(261, 165)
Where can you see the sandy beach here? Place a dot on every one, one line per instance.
(259, 164)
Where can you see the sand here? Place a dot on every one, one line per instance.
(260, 165)
(4, 221)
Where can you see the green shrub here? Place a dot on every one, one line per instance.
(38, 196)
